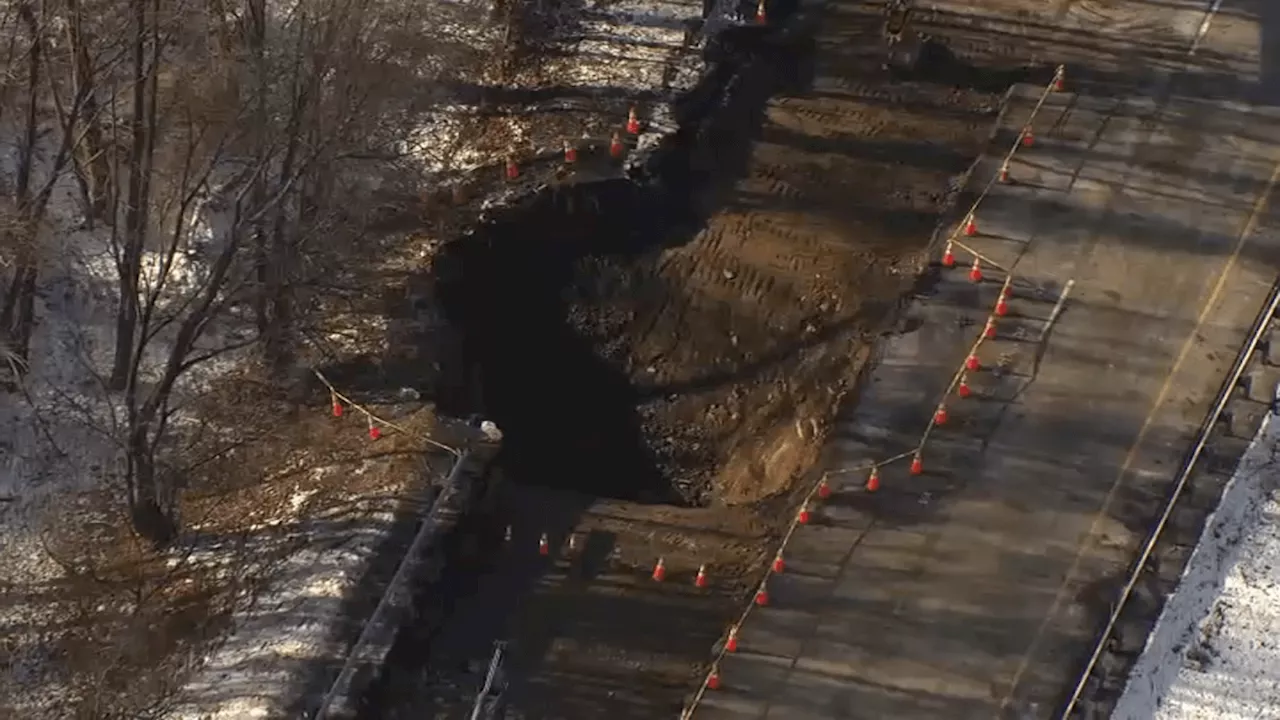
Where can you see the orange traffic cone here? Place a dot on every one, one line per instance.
(873, 480)
(633, 122)
(570, 153)
(917, 464)
(1002, 302)
(940, 415)
(1004, 172)
(970, 226)
(989, 332)
(1059, 79)
(337, 407)
(512, 170)
(802, 517)
(778, 563)
(660, 571)
(972, 363)
(761, 17)
(1028, 137)
(615, 146)
(731, 642)
(963, 389)
(948, 257)
(713, 679)
(975, 271)
(544, 547)
(375, 432)
(762, 595)
(824, 489)
(700, 580)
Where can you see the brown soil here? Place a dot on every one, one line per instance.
(740, 343)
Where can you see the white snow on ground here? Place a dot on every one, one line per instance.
(635, 45)
(1215, 652)
(277, 641)
(55, 444)
(628, 47)
(59, 437)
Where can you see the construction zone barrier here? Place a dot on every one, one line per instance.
(568, 154)
(376, 426)
(659, 570)
(979, 267)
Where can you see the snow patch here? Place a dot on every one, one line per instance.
(288, 633)
(1214, 653)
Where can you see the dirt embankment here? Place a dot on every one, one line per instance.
(665, 352)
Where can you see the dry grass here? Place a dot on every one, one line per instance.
(129, 621)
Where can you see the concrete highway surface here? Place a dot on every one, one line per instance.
(974, 590)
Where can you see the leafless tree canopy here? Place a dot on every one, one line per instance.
(208, 144)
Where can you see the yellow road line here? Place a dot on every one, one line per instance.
(1258, 207)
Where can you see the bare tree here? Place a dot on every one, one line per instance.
(146, 50)
(92, 161)
(322, 90)
(31, 196)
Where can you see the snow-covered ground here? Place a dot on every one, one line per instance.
(1215, 652)
(302, 554)
(635, 46)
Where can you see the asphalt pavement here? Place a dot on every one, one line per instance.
(974, 589)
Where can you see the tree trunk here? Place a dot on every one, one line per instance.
(93, 165)
(141, 126)
(151, 515)
(257, 40)
(19, 298)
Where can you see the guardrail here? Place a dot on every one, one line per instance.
(379, 631)
(494, 684)
(1261, 325)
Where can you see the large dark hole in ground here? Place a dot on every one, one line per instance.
(569, 417)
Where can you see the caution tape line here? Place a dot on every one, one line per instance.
(914, 453)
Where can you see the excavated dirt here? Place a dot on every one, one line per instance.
(664, 355)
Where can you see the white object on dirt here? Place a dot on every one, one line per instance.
(491, 431)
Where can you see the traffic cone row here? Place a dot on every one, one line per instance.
(941, 415)
(337, 409)
(511, 168)
(658, 574)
